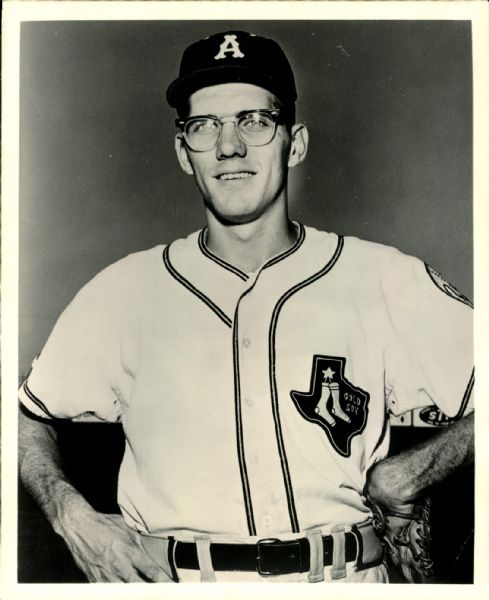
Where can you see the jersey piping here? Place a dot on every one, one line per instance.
(241, 274)
(237, 387)
(186, 283)
(205, 250)
(39, 403)
(239, 429)
(295, 246)
(465, 399)
(273, 382)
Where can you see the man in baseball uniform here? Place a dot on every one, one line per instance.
(253, 365)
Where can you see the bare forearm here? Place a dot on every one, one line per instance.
(102, 546)
(42, 475)
(400, 479)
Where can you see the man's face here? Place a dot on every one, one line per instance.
(238, 182)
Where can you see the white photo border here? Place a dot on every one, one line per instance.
(14, 13)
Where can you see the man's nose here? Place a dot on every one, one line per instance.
(230, 144)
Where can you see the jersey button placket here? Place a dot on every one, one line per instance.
(262, 461)
(243, 342)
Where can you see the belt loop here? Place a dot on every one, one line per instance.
(338, 568)
(203, 543)
(171, 558)
(316, 552)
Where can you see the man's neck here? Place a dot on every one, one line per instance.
(248, 246)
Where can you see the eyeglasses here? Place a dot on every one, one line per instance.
(254, 128)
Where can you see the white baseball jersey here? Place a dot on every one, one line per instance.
(254, 404)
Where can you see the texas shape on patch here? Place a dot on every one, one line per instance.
(333, 403)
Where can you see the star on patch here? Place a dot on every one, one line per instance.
(328, 374)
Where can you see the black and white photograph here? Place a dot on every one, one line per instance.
(245, 306)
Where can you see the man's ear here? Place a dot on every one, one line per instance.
(182, 154)
(298, 145)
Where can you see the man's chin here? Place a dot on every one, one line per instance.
(235, 219)
(232, 217)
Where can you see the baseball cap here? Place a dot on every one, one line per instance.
(230, 57)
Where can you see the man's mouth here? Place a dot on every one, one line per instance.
(237, 175)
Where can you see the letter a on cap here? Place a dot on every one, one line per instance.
(230, 44)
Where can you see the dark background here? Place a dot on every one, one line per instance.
(389, 108)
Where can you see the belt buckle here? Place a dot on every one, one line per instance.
(286, 561)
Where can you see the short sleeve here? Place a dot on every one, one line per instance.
(73, 376)
(429, 356)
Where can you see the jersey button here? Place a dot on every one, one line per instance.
(249, 401)
(246, 342)
(255, 459)
(275, 499)
(267, 520)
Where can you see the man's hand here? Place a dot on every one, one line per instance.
(396, 492)
(399, 480)
(387, 484)
(402, 522)
(406, 538)
(106, 550)
(103, 547)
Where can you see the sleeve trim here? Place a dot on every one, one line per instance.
(465, 399)
(34, 416)
(39, 403)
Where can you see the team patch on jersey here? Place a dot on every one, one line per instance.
(446, 287)
(333, 403)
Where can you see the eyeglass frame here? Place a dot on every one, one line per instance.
(273, 112)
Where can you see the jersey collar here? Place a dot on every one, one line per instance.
(272, 261)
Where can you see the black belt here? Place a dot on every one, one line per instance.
(267, 557)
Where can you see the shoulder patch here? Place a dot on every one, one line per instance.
(446, 287)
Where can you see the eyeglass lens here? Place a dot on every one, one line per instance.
(256, 128)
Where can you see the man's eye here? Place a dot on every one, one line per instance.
(202, 127)
(256, 121)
